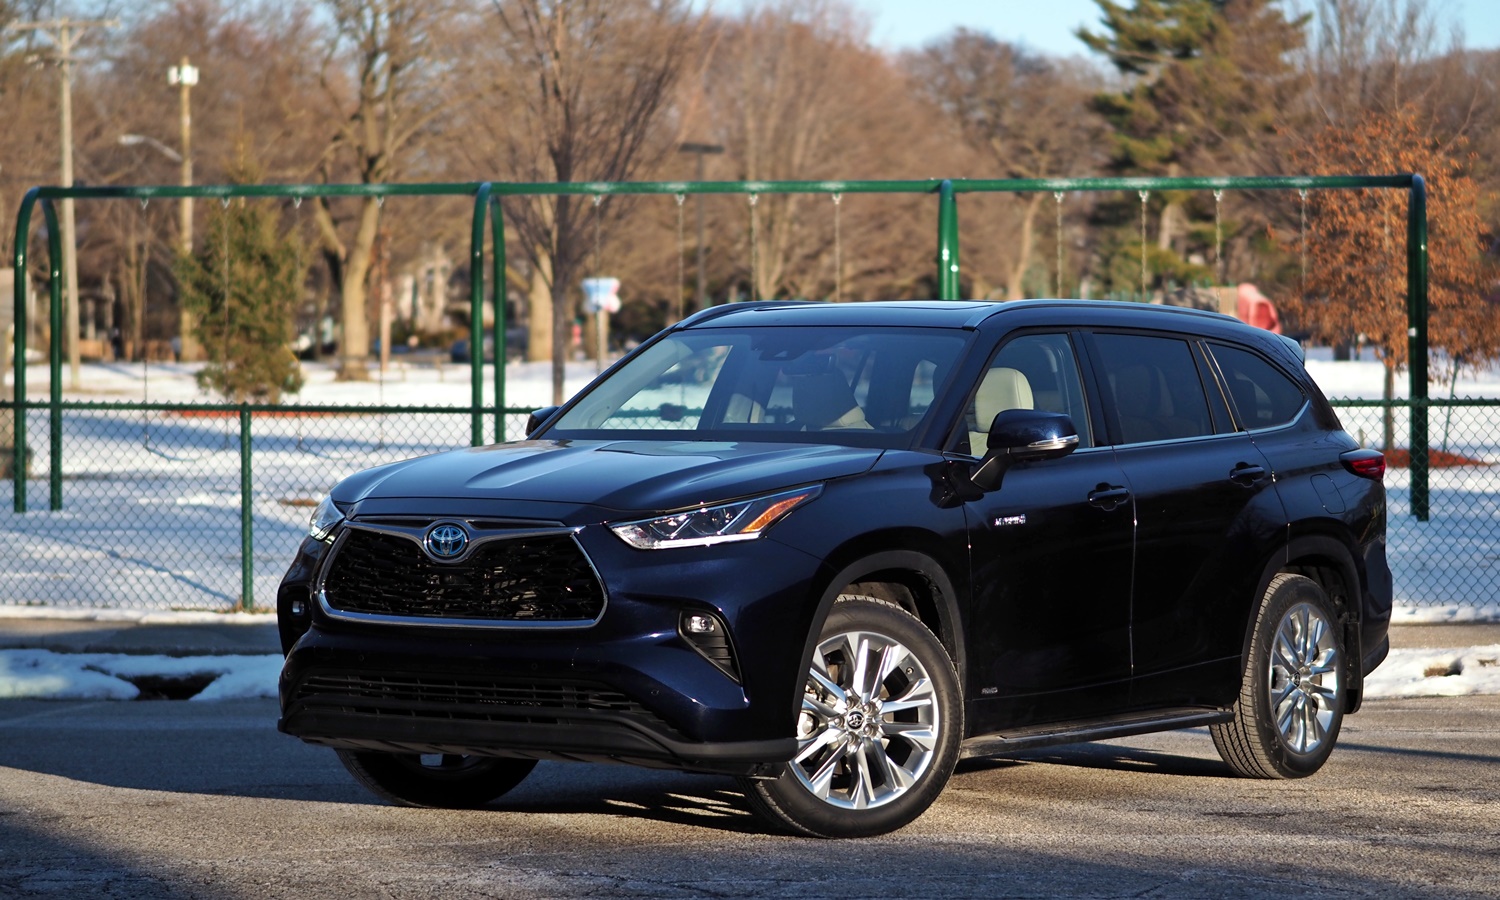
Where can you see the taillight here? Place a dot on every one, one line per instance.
(1364, 463)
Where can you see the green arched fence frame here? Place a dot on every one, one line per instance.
(488, 196)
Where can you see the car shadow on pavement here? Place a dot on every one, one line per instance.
(1108, 756)
(37, 861)
(232, 749)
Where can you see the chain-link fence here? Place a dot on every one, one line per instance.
(1449, 562)
(153, 513)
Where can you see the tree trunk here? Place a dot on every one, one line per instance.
(562, 335)
(1168, 223)
(354, 344)
(539, 311)
(1016, 289)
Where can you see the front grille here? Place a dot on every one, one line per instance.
(492, 700)
(526, 579)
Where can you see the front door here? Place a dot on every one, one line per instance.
(1050, 556)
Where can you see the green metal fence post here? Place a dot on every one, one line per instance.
(54, 291)
(947, 260)
(476, 315)
(18, 364)
(247, 516)
(1416, 319)
(502, 294)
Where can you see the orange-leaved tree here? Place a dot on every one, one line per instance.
(1356, 253)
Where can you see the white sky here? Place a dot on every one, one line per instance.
(1048, 25)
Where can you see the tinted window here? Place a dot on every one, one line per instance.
(1033, 371)
(1154, 387)
(1264, 396)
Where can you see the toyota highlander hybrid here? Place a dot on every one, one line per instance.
(832, 549)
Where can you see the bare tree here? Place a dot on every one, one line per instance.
(795, 92)
(580, 91)
(384, 71)
(1026, 116)
(1362, 55)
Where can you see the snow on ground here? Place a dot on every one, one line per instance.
(1428, 672)
(43, 674)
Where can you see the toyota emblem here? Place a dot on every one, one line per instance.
(447, 541)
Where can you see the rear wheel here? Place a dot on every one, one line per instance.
(878, 729)
(448, 781)
(1291, 701)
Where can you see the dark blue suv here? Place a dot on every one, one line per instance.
(834, 548)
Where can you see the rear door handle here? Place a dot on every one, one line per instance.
(1108, 496)
(1247, 474)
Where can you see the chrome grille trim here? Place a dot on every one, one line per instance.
(480, 538)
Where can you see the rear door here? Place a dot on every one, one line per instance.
(1206, 514)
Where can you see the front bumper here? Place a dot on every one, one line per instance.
(628, 689)
(422, 713)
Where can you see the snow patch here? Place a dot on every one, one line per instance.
(43, 674)
(1429, 672)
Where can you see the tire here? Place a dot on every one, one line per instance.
(873, 752)
(446, 781)
(1291, 702)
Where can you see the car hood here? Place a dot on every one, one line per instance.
(645, 476)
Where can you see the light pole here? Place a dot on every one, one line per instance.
(700, 150)
(184, 76)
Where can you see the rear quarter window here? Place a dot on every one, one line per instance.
(1263, 395)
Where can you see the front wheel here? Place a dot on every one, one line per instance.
(1291, 701)
(878, 729)
(437, 780)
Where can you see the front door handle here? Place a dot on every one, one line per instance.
(1108, 496)
(1247, 474)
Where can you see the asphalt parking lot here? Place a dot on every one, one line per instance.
(181, 799)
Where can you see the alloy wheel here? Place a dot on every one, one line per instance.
(1304, 678)
(870, 721)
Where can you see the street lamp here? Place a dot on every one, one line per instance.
(699, 150)
(135, 140)
(184, 76)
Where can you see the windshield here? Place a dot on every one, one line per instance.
(862, 386)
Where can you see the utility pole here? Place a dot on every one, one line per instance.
(184, 77)
(65, 34)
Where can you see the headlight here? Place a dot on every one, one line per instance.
(323, 520)
(741, 520)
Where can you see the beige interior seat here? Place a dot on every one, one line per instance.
(1001, 389)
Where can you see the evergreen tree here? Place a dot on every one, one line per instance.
(1204, 80)
(242, 288)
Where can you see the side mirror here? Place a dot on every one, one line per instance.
(1023, 435)
(537, 417)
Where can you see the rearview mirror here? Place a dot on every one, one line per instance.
(1023, 435)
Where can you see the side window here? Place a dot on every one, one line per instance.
(1264, 396)
(1154, 386)
(1033, 371)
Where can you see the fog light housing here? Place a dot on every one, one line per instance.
(697, 623)
(705, 633)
